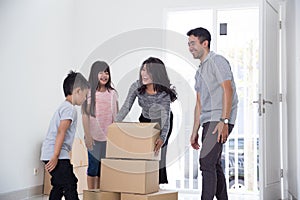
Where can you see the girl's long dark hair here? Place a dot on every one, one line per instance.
(98, 66)
(161, 82)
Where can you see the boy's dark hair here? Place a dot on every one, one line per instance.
(74, 80)
(161, 82)
(202, 34)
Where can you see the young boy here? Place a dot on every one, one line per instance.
(60, 137)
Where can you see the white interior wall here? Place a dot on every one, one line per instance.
(42, 40)
(292, 69)
(35, 55)
(297, 91)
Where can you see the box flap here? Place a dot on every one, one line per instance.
(136, 129)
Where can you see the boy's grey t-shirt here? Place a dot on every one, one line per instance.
(65, 111)
(213, 71)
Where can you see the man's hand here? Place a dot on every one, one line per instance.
(222, 130)
(194, 141)
(158, 143)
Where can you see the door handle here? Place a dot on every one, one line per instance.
(266, 101)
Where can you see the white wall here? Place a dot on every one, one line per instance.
(293, 94)
(297, 66)
(35, 54)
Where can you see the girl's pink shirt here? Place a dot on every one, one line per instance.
(105, 112)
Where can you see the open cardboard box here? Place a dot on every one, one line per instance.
(132, 140)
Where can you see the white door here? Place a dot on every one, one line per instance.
(270, 168)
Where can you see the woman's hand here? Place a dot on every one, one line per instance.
(158, 143)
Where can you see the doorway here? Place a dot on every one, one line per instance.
(240, 45)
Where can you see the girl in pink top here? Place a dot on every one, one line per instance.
(99, 111)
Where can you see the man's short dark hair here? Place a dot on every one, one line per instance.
(74, 80)
(202, 34)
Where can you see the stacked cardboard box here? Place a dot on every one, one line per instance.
(79, 161)
(103, 195)
(131, 167)
(133, 176)
(100, 195)
(132, 140)
(161, 195)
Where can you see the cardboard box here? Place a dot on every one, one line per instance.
(161, 195)
(47, 183)
(100, 195)
(131, 176)
(78, 155)
(132, 140)
(80, 173)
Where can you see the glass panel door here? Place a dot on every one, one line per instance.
(240, 45)
(238, 42)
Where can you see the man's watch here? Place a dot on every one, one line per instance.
(224, 120)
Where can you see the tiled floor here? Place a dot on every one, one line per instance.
(183, 196)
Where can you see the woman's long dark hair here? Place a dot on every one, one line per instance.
(161, 82)
(98, 66)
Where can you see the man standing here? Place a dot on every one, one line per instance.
(215, 111)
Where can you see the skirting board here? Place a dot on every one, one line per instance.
(23, 194)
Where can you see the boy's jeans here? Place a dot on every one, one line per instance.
(63, 181)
